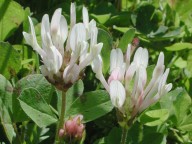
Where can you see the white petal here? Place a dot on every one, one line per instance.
(116, 59)
(91, 26)
(84, 51)
(59, 30)
(66, 74)
(78, 35)
(157, 73)
(45, 26)
(73, 60)
(97, 64)
(32, 30)
(113, 60)
(159, 68)
(47, 42)
(31, 39)
(129, 75)
(86, 62)
(63, 29)
(168, 87)
(147, 102)
(45, 30)
(114, 75)
(119, 57)
(96, 49)
(53, 59)
(145, 57)
(72, 14)
(47, 73)
(118, 74)
(75, 73)
(70, 75)
(163, 79)
(44, 70)
(160, 60)
(137, 56)
(85, 17)
(128, 55)
(140, 83)
(117, 94)
(141, 57)
(28, 38)
(94, 33)
(55, 21)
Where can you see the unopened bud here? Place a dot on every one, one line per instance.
(73, 129)
(135, 42)
(61, 132)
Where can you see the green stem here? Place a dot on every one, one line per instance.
(61, 118)
(18, 138)
(124, 135)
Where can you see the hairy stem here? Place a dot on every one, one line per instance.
(61, 118)
(124, 135)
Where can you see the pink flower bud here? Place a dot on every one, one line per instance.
(135, 42)
(61, 132)
(73, 129)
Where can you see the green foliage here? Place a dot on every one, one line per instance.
(106, 39)
(9, 61)
(30, 105)
(91, 105)
(6, 90)
(34, 105)
(39, 85)
(11, 16)
(154, 117)
(179, 46)
(126, 39)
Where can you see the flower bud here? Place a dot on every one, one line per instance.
(135, 42)
(61, 132)
(73, 129)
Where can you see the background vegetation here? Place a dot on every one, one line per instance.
(160, 25)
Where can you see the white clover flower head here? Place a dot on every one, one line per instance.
(127, 83)
(64, 65)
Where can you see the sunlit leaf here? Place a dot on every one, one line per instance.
(179, 46)
(102, 19)
(178, 103)
(121, 29)
(154, 117)
(126, 39)
(11, 16)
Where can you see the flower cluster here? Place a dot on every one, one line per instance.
(73, 129)
(127, 83)
(65, 53)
